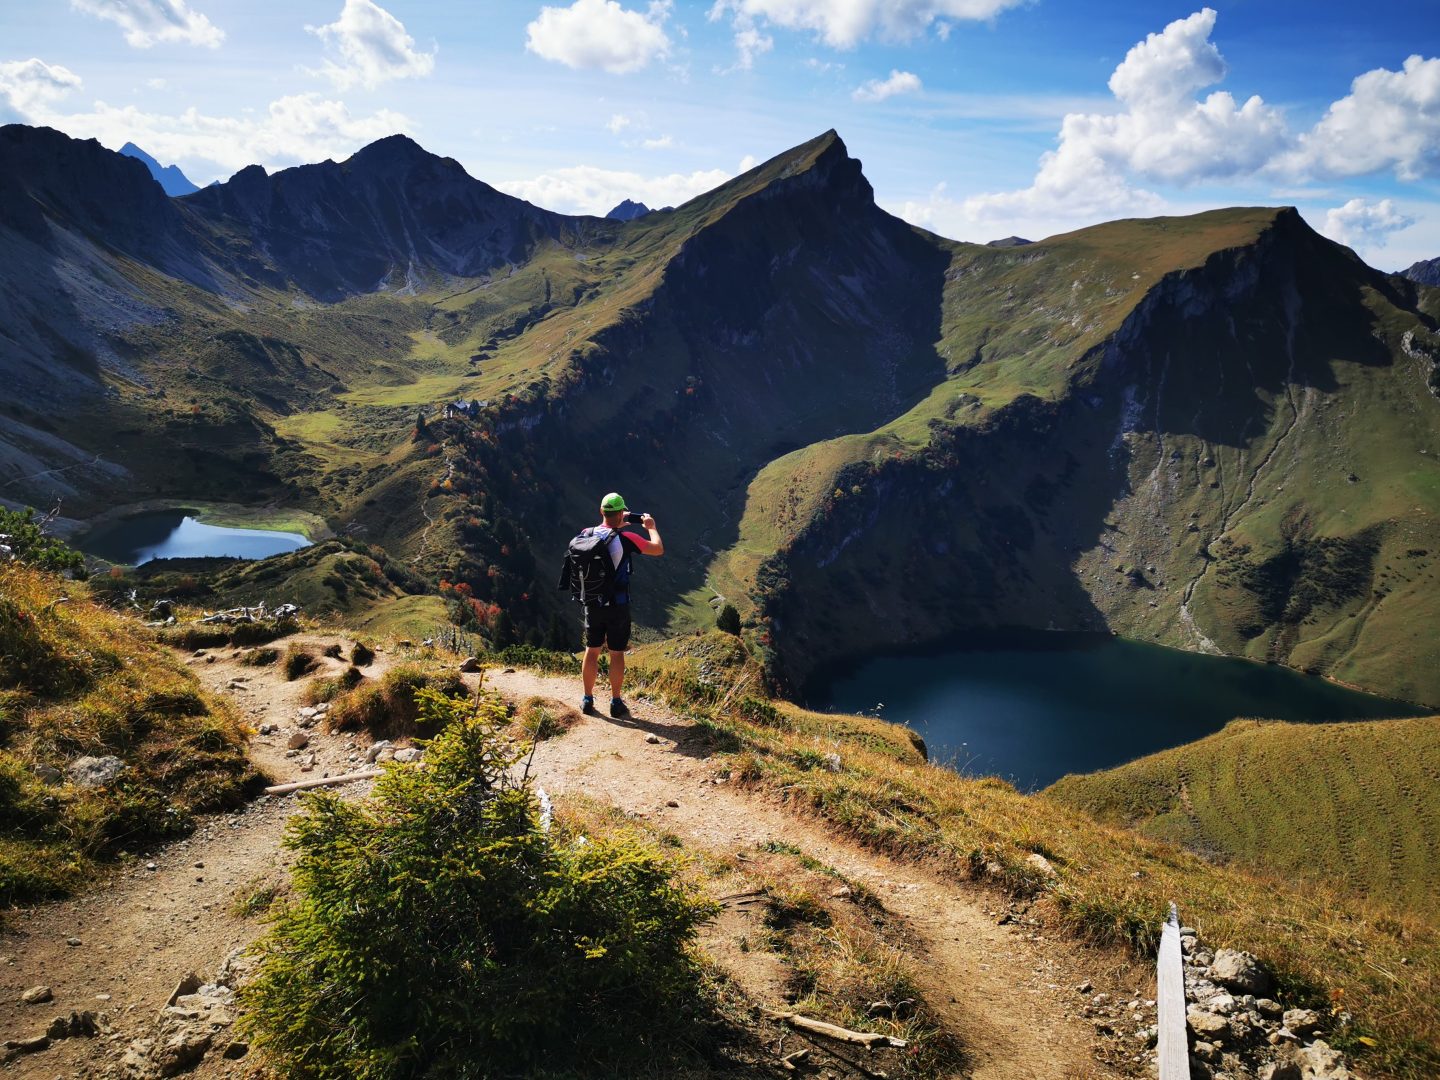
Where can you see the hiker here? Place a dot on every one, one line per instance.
(597, 571)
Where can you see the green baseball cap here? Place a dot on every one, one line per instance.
(613, 502)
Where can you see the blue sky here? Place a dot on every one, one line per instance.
(975, 118)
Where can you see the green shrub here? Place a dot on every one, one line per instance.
(298, 661)
(728, 619)
(439, 929)
(531, 656)
(25, 537)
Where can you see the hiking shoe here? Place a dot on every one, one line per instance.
(587, 705)
(618, 707)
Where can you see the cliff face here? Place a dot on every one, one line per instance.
(1244, 465)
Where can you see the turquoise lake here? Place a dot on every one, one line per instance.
(175, 534)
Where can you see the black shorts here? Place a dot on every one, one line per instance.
(607, 625)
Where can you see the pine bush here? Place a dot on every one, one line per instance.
(440, 930)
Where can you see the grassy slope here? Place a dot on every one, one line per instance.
(1332, 946)
(1357, 803)
(77, 679)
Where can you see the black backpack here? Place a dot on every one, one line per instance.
(588, 571)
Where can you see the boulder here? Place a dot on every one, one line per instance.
(1207, 1025)
(37, 995)
(470, 665)
(48, 774)
(1303, 1022)
(93, 772)
(376, 749)
(1318, 1061)
(298, 741)
(1240, 971)
(409, 755)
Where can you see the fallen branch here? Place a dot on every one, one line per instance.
(867, 1039)
(788, 1062)
(324, 781)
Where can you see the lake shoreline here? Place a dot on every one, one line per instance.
(1031, 706)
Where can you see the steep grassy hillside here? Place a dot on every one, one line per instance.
(1357, 803)
(1237, 454)
(78, 681)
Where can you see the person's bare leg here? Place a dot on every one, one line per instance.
(617, 672)
(590, 670)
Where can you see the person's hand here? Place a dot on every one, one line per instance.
(647, 521)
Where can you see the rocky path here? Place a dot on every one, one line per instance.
(1010, 995)
(120, 950)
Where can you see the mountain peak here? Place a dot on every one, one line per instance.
(394, 151)
(628, 210)
(168, 177)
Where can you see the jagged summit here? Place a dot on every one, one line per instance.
(168, 177)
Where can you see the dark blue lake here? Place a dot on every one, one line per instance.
(174, 534)
(1031, 707)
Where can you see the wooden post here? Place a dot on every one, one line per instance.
(1172, 1047)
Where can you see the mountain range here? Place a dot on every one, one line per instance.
(1218, 432)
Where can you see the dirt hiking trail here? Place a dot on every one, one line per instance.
(1011, 996)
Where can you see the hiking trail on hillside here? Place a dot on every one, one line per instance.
(1012, 997)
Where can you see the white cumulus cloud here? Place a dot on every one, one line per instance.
(1361, 223)
(600, 34)
(28, 87)
(618, 123)
(899, 82)
(1161, 133)
(843, 24)
(587, 189)
(372, 47)
(147, 22)
(1389, 120)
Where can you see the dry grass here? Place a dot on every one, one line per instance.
(386, 707)
(1355, 802)
(77, 679)
(544, 718)
(839, 951)
(1332, 949)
